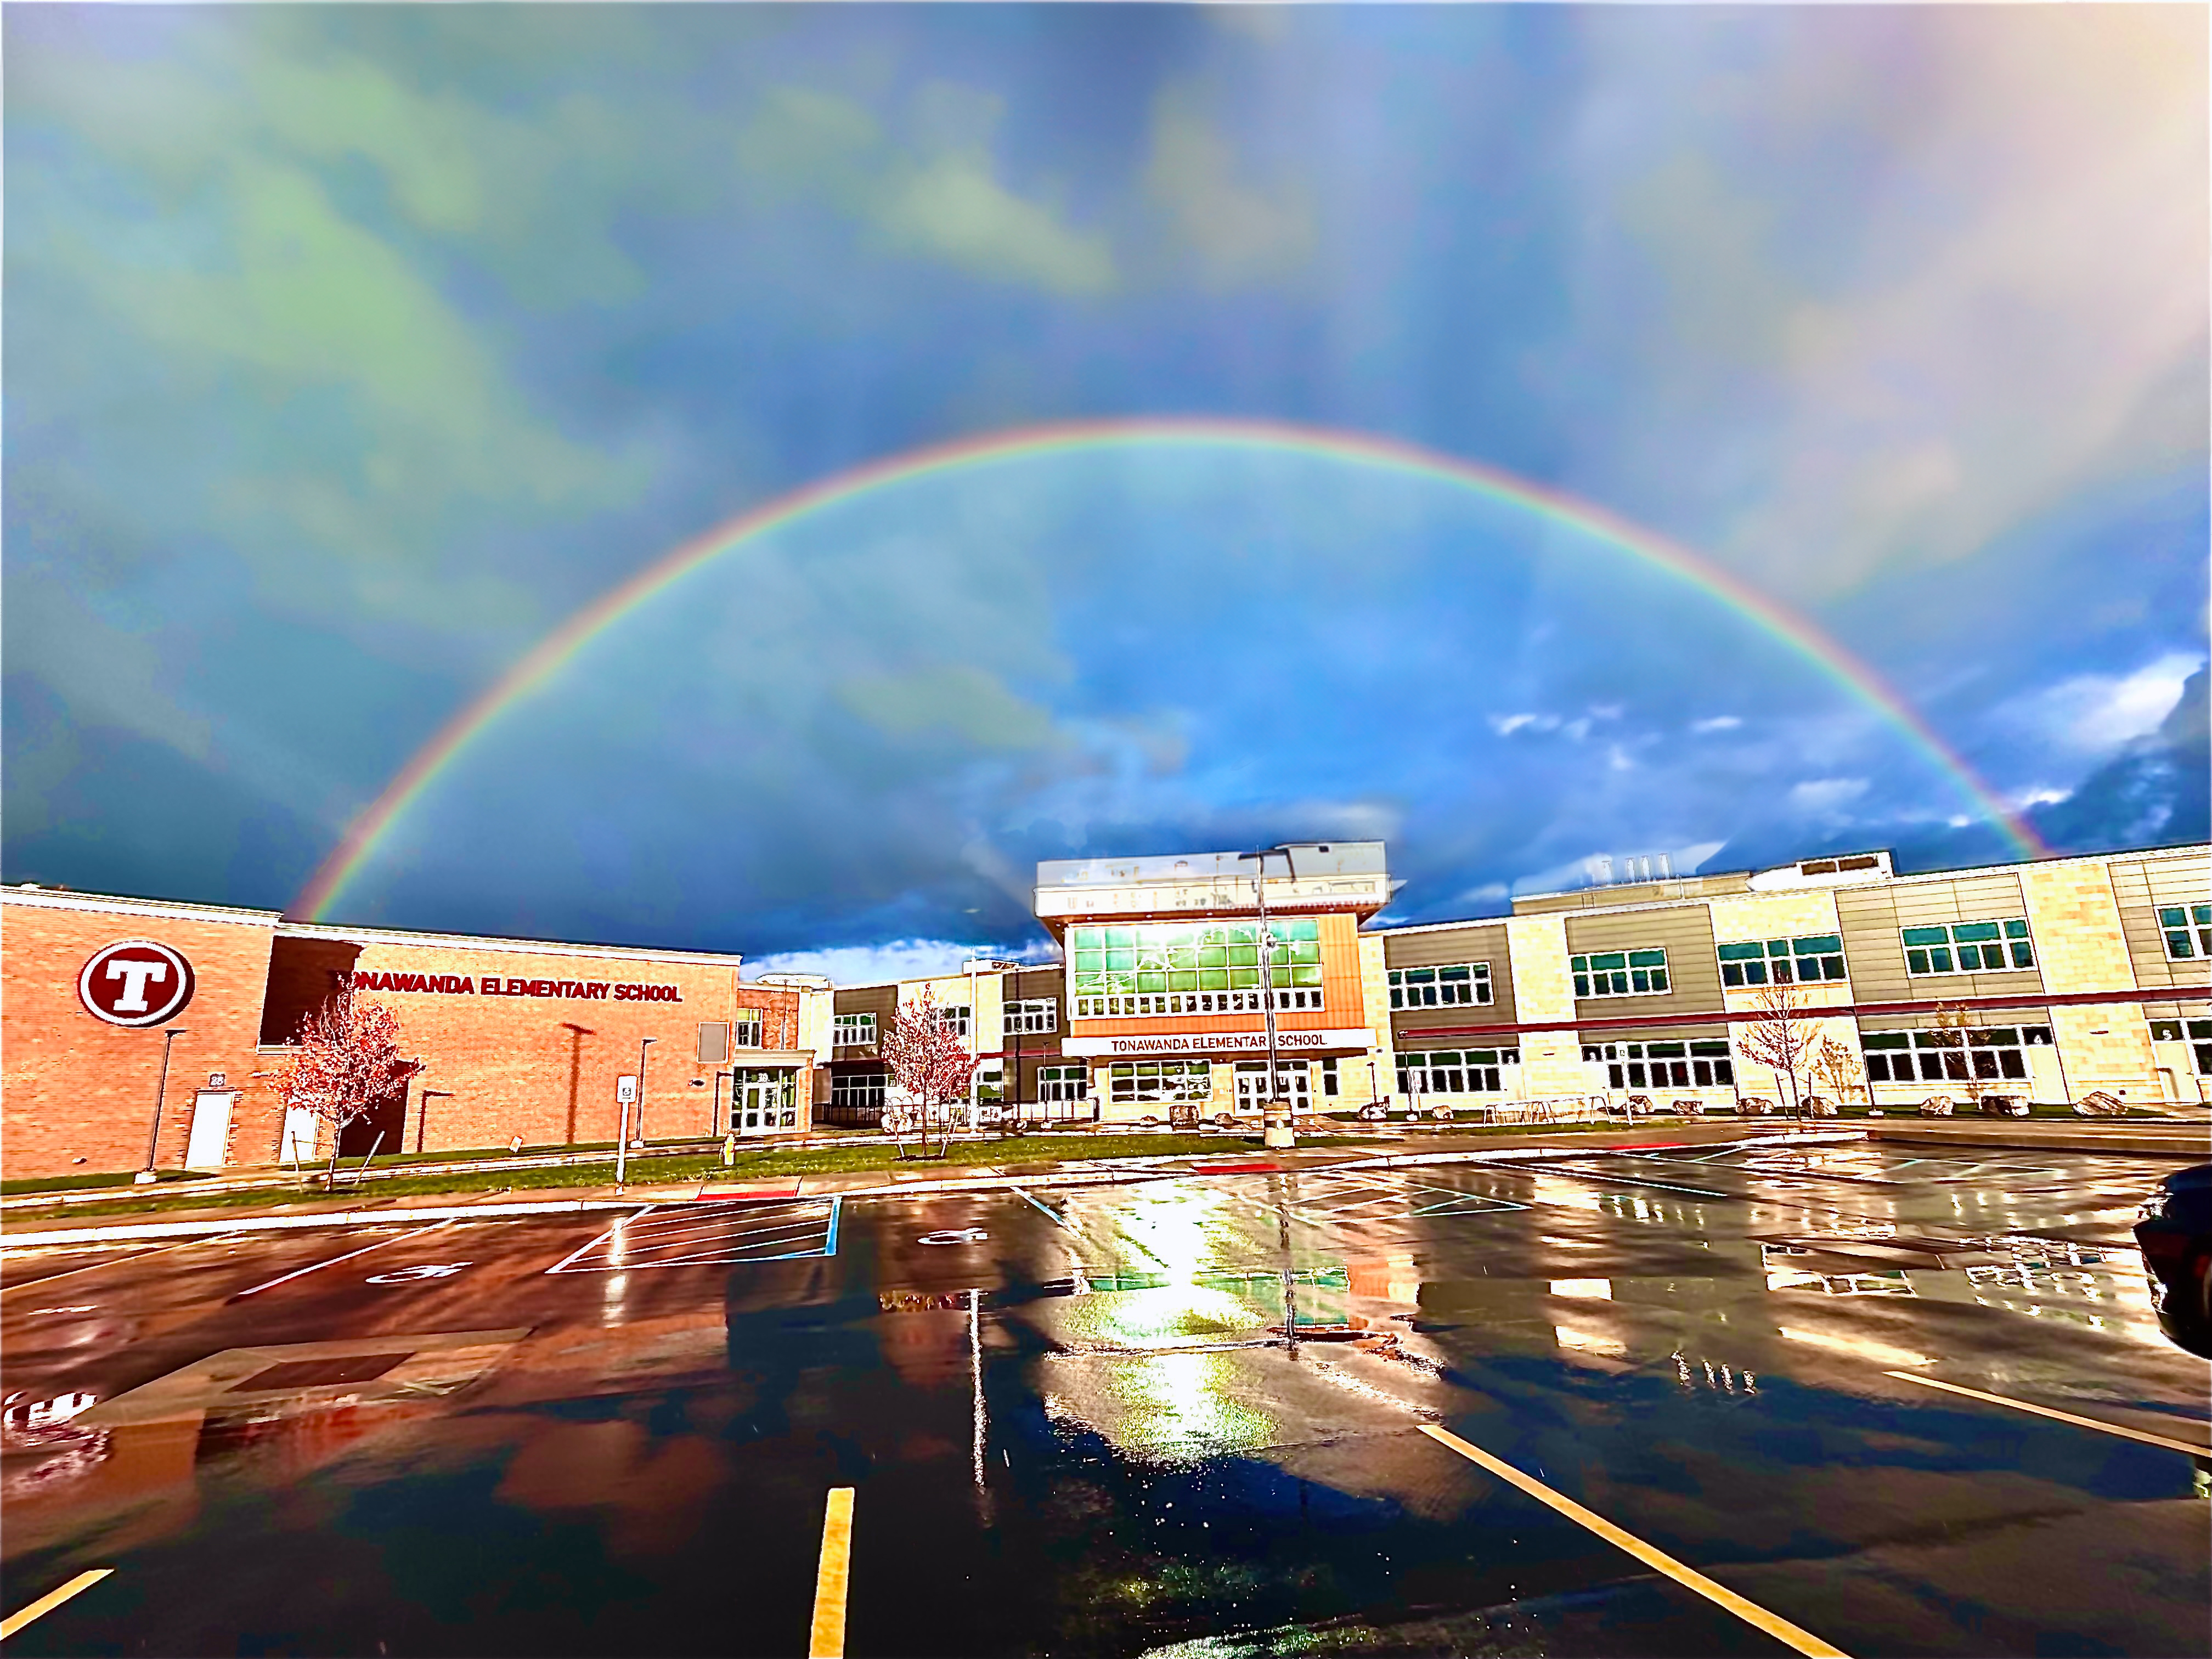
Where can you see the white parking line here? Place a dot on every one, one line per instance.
(601, 1239)
(112, 1261)
(301, 1272)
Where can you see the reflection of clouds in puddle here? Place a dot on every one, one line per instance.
(1589, 1342)
(1174, 1408)
(1864, 1347)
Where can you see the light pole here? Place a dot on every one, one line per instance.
(1267, 987)
(643, 1043)
(161, 1091)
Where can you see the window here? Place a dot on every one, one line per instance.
(1461, 986)
(1063, 1083)
(746, 1033)
(1703, 1063)
(853, 1030)
(1621, 974)
(1968, 947)
(991, 1080)
(1455, 1072)
(713, 1043)
(954, 1019)
(1142, 1081)
(1328, 1077)
(1038, 1014)
(1784, 960)
(1192, 967)
(1992, 1053)
(857, 1091)
(2197, 1032)
(2188, 931)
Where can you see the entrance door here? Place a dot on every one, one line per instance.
(210, 1136)
(763, 1101)
(1293, 1081)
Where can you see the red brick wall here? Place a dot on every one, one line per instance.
(76, 1094)
(543, 1066)
(539, 1064)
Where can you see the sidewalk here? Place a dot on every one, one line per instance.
(926, 1177)
(2192, 1141)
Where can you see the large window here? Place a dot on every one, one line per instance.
(954, 1019)
(746, 1033)
(1063, 1083)
(857, 1091)
(853, 1030)
(1455, 1071)
(1968, 947)
(1784, 960)
(1992, 1053)
(2188, 930)
(1140, 1082)
(1193, 968)
(1703, 1063)
(1038, 1014)
(1620, 974)
(1463, 985)
(2198, 1033)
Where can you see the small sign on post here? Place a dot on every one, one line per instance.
(626, 1090)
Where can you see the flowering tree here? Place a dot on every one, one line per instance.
(928, 1063)
(1839, 1071)
(1783, 1035)
(346, 1058)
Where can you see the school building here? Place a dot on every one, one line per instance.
(134, 1022)
(2049, 980)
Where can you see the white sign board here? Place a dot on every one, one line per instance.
(625, 1091)
(1220, 1042)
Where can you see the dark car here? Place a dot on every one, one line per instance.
(2175, 1231)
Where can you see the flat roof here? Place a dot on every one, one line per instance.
(1300, 859)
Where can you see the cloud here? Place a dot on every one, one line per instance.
(941, 199)
(1826, 797)
(1506, 725)
(1240, 232)
(2099, 714)
(963, 701)
(1913, 285)
(1717, 723)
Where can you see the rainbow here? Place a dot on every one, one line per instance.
(551, 655)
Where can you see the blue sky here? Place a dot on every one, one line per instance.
(352, 349)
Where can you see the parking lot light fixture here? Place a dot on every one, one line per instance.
(643, 1043)
(161, 1091)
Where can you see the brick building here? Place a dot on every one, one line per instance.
(516, 1036)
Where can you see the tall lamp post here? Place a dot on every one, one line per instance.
(1287, 1135)
(643, 1043)
(161, 1093)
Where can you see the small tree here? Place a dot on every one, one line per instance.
(1951, 1025)
(928, 1063)
(1782, 1034)
(1838, 1071)
(347, 1059)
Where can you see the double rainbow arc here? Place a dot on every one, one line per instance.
(551, 655)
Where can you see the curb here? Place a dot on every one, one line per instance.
(1173, 1170)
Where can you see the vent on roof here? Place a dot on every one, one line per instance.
(1864, 862)
(1818, 867)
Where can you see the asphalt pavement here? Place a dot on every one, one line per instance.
(1869, 1398)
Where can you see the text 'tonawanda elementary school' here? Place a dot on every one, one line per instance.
(132, 1022)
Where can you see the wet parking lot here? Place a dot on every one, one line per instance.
(1754, 1399)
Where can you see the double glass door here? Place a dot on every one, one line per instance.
(1293, 1083)
(763, 1101)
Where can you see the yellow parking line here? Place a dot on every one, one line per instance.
(52, 1599)
(1751, 1613)
(827, 1640)
(2143, 1434)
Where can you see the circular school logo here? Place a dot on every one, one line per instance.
(135, 981)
